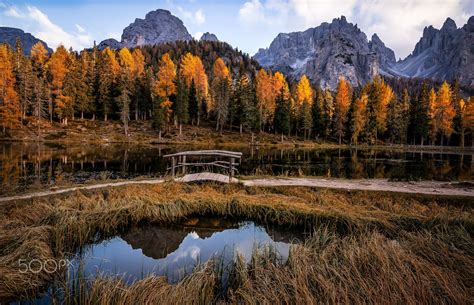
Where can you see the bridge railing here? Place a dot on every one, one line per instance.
(181, 161)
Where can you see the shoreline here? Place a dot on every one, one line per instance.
(430, 188)
(141, 133)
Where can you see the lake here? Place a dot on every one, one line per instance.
(26, 167)
(174, 251)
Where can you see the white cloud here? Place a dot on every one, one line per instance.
(269, 13)
(80, 29)
(196, 17)
(13, 12)
(43, 28)
(199, 17)
(198, 35)
(398, 23)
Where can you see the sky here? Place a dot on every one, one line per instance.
(245, 24)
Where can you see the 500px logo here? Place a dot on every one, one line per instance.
(37, 266)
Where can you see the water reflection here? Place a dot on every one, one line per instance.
(175, 251)
(31, 166)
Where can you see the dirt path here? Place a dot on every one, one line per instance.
(423, 187)
(78, 188)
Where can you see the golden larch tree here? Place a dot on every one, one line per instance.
(304, 92)
(341, 107)
(57, 67)
(444, 111)
(139, 62)
(126, 61)
(164, 85)
(39, 56)
(221, 87)
(10, 113)
(359, 117)
(192, 70)
(304, 100)
(265, 97)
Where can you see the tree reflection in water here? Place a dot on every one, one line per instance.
(36, 166)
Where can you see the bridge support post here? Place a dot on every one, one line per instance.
(184, 166)
(173, 165)
(231, 169)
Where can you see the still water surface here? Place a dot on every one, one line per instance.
(174, 251)
(30, 166)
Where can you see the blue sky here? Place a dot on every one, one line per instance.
(246, 24)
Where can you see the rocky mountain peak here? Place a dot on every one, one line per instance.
(376, 40)
(445, 54)
(469, 26)
(449, 25)
(159, 26)
(326, 52)
(9, 35)
(209, 37)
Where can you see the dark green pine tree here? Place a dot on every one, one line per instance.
(24, 84)
(193, 104)
(455, 98)
(419, 121)
(158, 120)
(181, 104)
(247, 115)
(282, 119)
(318, 128)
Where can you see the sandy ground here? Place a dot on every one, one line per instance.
(421, 187)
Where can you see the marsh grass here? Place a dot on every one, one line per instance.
(366, 247)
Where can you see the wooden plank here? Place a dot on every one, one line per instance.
(206, 176)
(223, 153)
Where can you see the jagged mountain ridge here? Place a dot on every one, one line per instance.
(159, 26)
(447, 53)
(326, 52)
(9, 35)
(208, 37)
(340, 48)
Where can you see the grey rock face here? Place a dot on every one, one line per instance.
(9, 35)
(444, 54)
(110, 43)
(208, 37)
(158, 27)
(327, 52)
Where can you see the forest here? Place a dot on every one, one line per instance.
(182, 83)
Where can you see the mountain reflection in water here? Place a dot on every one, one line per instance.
(175, 251)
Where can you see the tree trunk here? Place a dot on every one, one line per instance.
(159, 135)
(240, 129)
(462, 138)
(340, 139)
(136, 109)
(282, 136)
(93, 117)
(82, 115)
(105, 117)
(180, 129)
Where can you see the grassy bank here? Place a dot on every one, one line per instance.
(141, 132)
(366, 246)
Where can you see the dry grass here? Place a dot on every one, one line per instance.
(376, 247)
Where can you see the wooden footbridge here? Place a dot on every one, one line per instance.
(183, 161)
